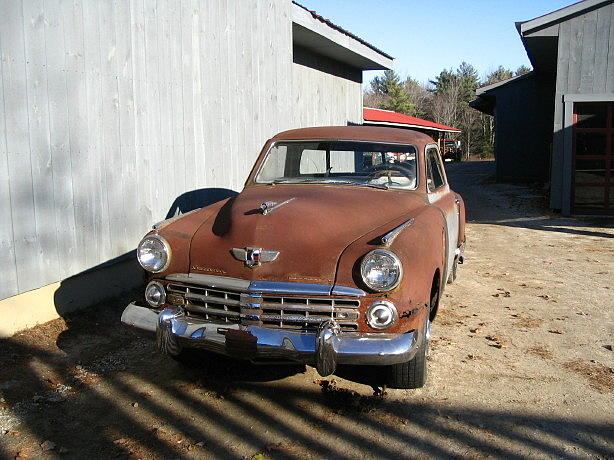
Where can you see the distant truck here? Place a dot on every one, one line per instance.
(452, 150)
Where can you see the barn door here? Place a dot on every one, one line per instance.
(593, 158)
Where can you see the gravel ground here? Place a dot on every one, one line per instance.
(521, 365)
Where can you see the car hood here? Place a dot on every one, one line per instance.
(310, 228)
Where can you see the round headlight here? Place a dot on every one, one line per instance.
(382, 315)
(155, 294)
(154, 253)
(381, 270)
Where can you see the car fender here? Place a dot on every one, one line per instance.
(421, 249)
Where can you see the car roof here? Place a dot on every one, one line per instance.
(362, 133)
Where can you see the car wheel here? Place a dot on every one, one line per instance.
(454, 272)
(412, 374)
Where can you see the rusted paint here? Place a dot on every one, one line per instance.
(323, 231)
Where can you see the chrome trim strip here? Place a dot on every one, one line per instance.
(344, 290)
(265, 287)
(212, 281)
(389, 237)
(281, 287)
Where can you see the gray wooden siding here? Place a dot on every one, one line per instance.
(585, 66)
(325, 92)
(110, 110)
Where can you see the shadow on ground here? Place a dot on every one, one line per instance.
(94, 387)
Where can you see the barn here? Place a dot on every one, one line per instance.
(556, 124)
(116, 115)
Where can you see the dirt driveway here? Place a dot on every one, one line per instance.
(521, 365)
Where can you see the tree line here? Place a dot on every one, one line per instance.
(445, 100)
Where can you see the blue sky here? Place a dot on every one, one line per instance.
(427, 36)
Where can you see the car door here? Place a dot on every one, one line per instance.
(439, 195)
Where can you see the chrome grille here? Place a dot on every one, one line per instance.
(297, 312)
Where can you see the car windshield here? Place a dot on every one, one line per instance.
(355, 163)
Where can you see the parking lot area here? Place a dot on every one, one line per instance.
(521, 364)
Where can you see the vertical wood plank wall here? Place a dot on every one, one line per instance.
(109, 110)
(585, 66)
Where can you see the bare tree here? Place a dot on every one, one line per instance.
(445, 103)
(419, 96)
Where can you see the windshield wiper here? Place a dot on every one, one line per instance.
(309, 181)
(379, 186)
(329, 181)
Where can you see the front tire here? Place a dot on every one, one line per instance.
(454, 272)
(412, 374)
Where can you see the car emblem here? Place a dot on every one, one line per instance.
(254, 257)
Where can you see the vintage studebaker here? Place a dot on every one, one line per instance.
(336, 252)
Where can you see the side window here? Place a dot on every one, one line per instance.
(435, 175)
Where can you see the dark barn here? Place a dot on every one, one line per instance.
(556, 124)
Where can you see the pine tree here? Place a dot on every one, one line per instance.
(395, 95)
(497, 75)
(522, 70)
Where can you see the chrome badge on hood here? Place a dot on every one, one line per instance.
(270, 206)
(253, 257)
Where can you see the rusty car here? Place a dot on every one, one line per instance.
(335, 253)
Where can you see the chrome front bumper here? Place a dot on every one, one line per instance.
(324, 349)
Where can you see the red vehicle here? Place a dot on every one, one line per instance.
(336, 252)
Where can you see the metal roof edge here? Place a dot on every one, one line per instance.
(485, 89)
(338, 42)
(559, 15)
(406, 125)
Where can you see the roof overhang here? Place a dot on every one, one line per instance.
(323, 37)
(545, 21)
(540, 35)
(485, 89)
(487, 95)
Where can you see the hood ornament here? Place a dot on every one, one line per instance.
(254, 257)
(269, 206)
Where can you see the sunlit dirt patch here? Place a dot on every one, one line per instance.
(527, 322)
(600, 377)
(540, 351)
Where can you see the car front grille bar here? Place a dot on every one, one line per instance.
(264, 309)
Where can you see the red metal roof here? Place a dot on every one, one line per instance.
(389, 117)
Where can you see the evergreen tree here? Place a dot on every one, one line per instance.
(522, 70)
(468, 79)
(395, 94)
(497, 75)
